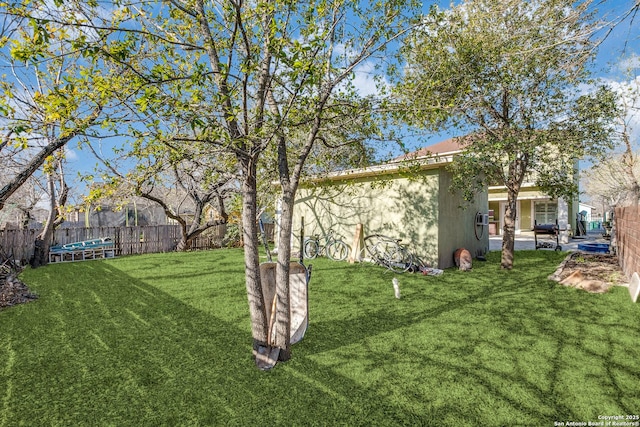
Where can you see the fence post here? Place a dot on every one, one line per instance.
(127, 240)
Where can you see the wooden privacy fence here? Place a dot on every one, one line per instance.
(19, 244)
(628, 239)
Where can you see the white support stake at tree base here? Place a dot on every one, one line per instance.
(634, 287)
(358, 244)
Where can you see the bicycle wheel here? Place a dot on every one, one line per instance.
(394, 256)
(338, 250)
(401, 260)
(311, 249)
(378, 253)
(381, 252)
(371, 247)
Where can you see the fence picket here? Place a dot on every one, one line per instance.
(127, 240)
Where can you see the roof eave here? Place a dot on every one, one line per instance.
(423, 163)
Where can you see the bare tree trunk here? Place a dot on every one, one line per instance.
(42, 244)
(184, 244)
(283, 317)
(196, 229)
(509, 230)
(257, 311)
(516, 174)
(54, 219)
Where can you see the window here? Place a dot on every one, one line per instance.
(546, 212)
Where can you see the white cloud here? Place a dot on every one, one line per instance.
(70, 155)
(365, 79)
(629, 64)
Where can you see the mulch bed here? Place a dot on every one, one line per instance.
(13, 291)
(592, 267)
(603, 267)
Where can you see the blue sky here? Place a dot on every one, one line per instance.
(622, 46)
(619, 50)
(622, 43)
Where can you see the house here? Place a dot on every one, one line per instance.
(127, 210)
(590, 217)
(533, 204)
(533, 207)
(405, 200)
(12, 216)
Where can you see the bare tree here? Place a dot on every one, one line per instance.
(616, 179)
(182, 179)
(58, 192)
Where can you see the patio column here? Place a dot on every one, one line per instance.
(563, 220)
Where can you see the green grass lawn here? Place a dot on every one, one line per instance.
(165, 340)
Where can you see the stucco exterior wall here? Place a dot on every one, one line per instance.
(419, 210)
(457, 223)
(395, 206)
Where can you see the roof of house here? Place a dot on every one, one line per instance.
(430, 157)
(448, 146)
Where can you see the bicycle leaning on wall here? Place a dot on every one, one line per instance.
(328, 245)
(390, 253)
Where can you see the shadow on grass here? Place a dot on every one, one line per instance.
(130, 346)
(507, 347)
(123, 352)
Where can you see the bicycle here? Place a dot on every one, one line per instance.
(390, 253)
(328, 244)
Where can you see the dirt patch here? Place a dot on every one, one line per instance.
(602, 270)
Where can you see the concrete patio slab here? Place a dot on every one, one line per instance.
(526, 241)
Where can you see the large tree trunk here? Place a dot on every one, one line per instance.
(184, 244)
(41, 249)
(196, 227)
(516, 174)
(187, 238)
(283, 317)
(259, 322)
(509, 230)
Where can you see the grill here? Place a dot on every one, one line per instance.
(551, 233)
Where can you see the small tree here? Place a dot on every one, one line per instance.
(508, 73)
(183, 179)
(251, 78)
(45, 99)
(267, 79)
